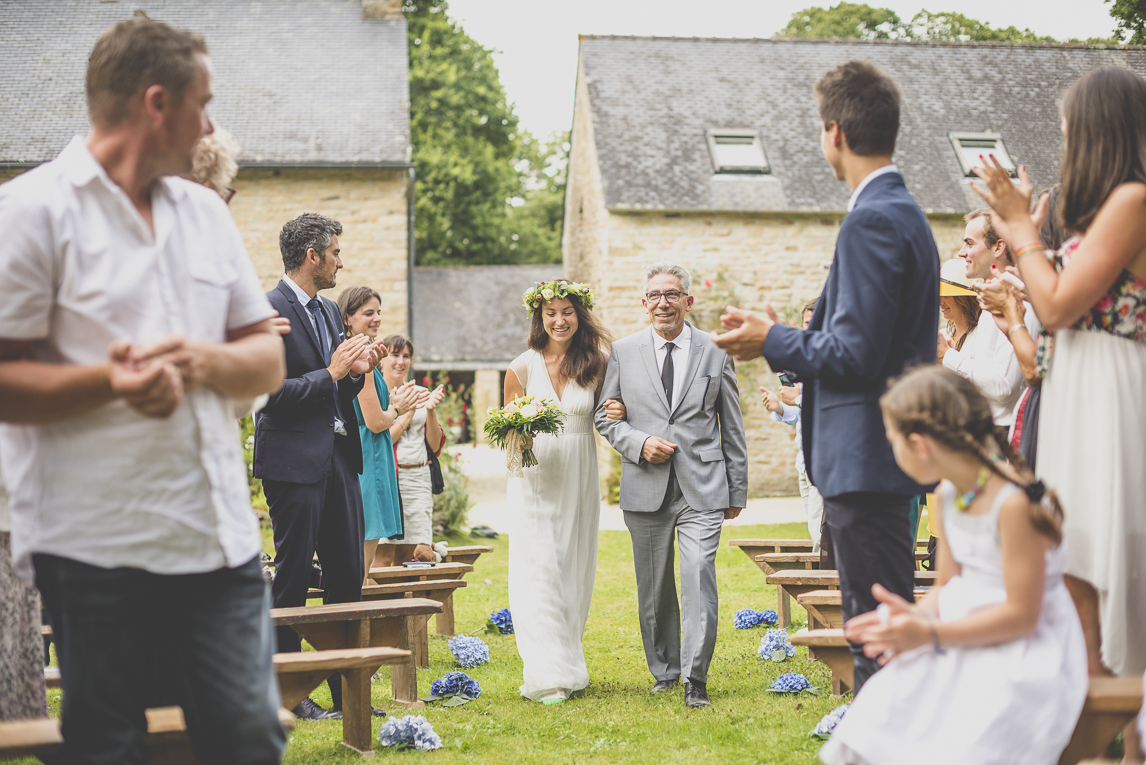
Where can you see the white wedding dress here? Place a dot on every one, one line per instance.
(554, 510)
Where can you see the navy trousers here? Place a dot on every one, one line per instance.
(324, 517)
(128, 640)
(871, 540)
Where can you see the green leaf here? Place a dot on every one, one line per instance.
(779, 655)
(431, 698)
(491, 628)
(456, 701)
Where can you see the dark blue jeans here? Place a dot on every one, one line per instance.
(128, 640)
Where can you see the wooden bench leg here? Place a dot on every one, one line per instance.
(783, 607)
(444, 622)
(422, 647)
(1093, 733)
(404, 676)
(356, 711)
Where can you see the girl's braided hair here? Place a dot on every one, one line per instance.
(936, 402)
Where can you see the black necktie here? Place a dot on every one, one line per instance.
(667, 372)
(315, 308)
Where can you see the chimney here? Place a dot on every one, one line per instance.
(381, 9)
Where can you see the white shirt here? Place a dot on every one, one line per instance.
(80, 268)
(870, 177)
(988, 360)
(683, 343)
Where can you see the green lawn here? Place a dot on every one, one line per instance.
(616, 719)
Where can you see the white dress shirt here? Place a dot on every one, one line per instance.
(683, 343)
(80, 268)
(870, 177)
(988, 360)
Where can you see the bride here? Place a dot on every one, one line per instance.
(555, 506)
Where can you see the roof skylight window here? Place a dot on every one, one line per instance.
(736, 151)
(973, 148)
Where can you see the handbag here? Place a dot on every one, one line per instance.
(437, 480)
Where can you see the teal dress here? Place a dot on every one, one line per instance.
(379, 477)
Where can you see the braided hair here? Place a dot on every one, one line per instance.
(936, 402)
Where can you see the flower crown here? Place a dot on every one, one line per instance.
(544, 292)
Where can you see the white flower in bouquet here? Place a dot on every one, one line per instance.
(513, 427)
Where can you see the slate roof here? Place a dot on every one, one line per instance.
(296, 81)
(473, 314)
(652, 99)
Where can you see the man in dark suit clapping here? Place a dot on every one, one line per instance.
(878, 315)
(307, 448)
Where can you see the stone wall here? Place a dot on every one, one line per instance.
(747, 259)
(370, 204)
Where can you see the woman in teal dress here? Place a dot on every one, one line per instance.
(376, 410)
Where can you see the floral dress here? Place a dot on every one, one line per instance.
(1092, 438)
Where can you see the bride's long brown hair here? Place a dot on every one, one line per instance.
(585, 359)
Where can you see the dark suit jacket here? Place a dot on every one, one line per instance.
(294, 432)
(878, 315)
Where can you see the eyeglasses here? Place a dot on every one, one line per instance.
(672, 296)
(228, 195)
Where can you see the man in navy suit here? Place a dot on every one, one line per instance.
(307, 448)
(879, 315)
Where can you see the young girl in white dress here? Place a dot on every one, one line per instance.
(555, 506)
(989, 668)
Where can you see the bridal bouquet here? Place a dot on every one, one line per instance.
(514, 425)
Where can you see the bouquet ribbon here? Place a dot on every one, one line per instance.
(518, 452)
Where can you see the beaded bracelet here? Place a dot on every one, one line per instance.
(1027, 249)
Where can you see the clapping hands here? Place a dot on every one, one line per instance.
(745, 332)
(900, 627)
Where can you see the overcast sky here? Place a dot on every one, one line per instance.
(535, 41)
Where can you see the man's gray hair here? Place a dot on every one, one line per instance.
(309, 231)
(667, 267)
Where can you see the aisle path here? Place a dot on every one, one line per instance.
(486, 470)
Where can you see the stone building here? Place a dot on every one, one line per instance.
(470, 323)
(314, 91)
(707, 152)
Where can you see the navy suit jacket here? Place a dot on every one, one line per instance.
(878, 316)
(294, 432)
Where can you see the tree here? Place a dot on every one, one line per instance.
(1131, 17)
(536, 217)
(845, 20)
(956, 27)
(864, 21)
(467, 148)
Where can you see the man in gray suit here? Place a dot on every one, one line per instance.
(683, 469)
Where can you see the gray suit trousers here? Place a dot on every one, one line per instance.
(668, 656)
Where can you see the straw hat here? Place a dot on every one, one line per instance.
(953, 279)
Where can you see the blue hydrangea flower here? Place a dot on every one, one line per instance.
(469, 651)
(455, 684)
(774, 646)
(502, 619)
(746, 618)
(409, 732)
(829, 722)
(791, 682)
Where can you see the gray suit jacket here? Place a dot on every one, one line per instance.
(711, 461)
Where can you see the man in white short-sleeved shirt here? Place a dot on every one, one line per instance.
(131, 315)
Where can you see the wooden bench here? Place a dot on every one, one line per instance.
(390, 623)
(801, 582)
(444, 625)
(1111, 703)
(830, 647)
(827, 605)
(467, 554)
(441, 590)
(300, 673)
(167, 742)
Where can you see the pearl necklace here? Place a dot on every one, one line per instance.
(963, 502)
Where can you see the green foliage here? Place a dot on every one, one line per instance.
(452, 505)
(247, 429)
(845, 20)
(454, 410)
(870, 23)
(612, 479)
(485, 190)
(1131, 18)
(955, 27)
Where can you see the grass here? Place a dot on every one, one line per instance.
(615, 719)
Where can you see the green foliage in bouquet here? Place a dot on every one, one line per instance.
(515, 424)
